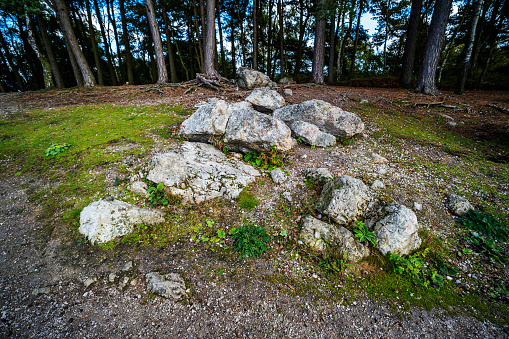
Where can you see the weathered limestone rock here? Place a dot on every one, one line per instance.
(278, 176)
(377, 185)
(331, 239)
(378, 159)
(345, 199)
(249, 79)
(318, 173)
(328, 118)
(286, 81)
(457, 205)
(104, 220)
(287, 91)
(248, 129)
(395, 227)
(311, 134)
(170, 286)
(140, 188)
(208, 120)
(198, 172)
(265, 100)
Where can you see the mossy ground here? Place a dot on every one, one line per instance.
(110, 142)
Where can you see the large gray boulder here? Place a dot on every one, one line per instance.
(457, 205)
(170, 286)
(345, 200)
(328, 118)
(197, 172)
(265, 100)
(332, 240)
(395, 227)
(208, 120)
(104, 220)
(248, 129)
(311, 134)
(249, 79)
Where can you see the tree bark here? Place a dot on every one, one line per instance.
(281, 39)
(269, 42)
(210, 40)
(111, 17)
(427, 75)
(127, 46)
(162, 75)
(94, 45)
(11, 64)
(171, 58)
(410, 43)
(63, 17)
(332, 48)
(302, 25)
(319, 46)
(356, 41)
(255, 34)
(111, 70)
(460, 87)
(49, 51)
(342, 37)
(46, 67)
(451, 43)
(218, 14)
(198, 36)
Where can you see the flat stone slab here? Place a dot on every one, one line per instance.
(197, 172)
(104, 220)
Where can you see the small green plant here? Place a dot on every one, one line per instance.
(157, 195)
(265, 160)
(57, 149)
(485, 224)
(335, 265)
(250, 240)
(416, 268)
(488, 247)
(283, 233)
(299, 140)
(363, 234)
(226, 150)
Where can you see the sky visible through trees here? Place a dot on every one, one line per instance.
(67, 43)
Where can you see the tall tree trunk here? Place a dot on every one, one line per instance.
(198, 36)
(111, 17)
(152, 67)
(255, 34)
(127, 46)
(63, 17)
(12, 64)
(281, 38)
(386, 34)
(460, 86)
(180, 56)
(342, 37)
(451, 43)
(202, 21)
(332, 48)
(356, 41)
(219, 27)
(242, 38)
(46, 67)
(302, 25)
(427, 75)
(171, 58)
(4, 68)
(496, 29)
(74, 64)
(111, 70)
(210, 40)
(94, 45)
(35, 68)
(269, 42)
(162, 74)
(319, 46)
(49, 51)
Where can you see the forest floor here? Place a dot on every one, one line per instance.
(55, 284)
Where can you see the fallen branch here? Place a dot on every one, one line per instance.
(427, 104)
(500, 108)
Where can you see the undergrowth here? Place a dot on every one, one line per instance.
(250, 240)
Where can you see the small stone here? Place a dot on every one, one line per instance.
(112, 277)
(382, 170)
(237, 156)
(41, 290)
(287, 196)
(457, 205)
(140, 188)
(378, 159)
(319, 173)
(278, 176)
(128, 265)
(452, 123)
(377, 185)
(287, 91)
(417, 206)
(134, 282)
(304, 156)
(169, 286)
(265, 100)
(89, 282)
